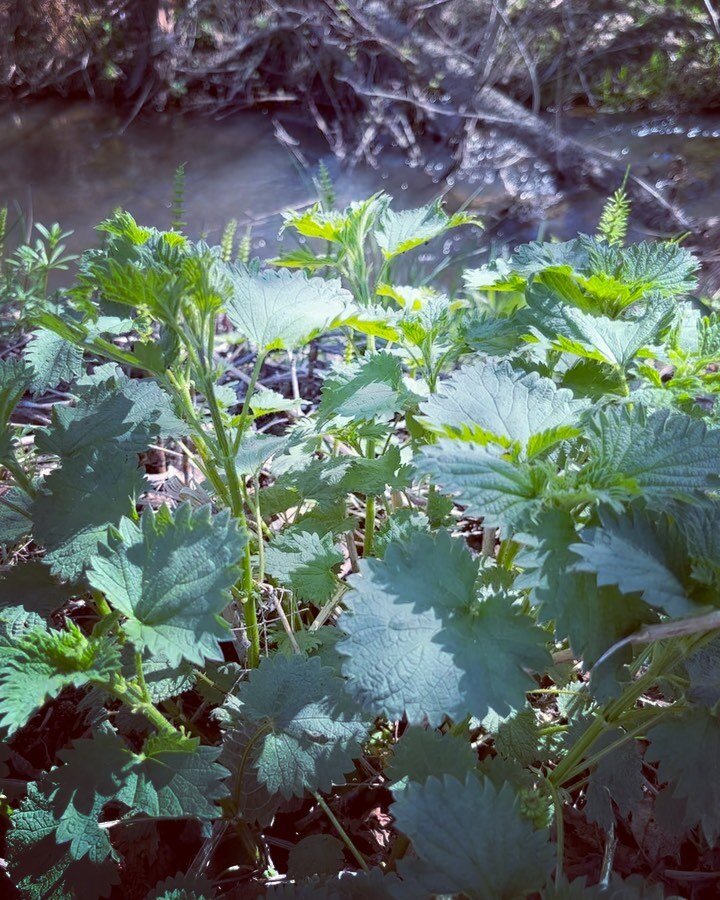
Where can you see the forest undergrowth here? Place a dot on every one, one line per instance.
(320, 582)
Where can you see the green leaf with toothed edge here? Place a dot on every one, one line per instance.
(398, 232)
(612, 341)
(483, 857)
(593, 618)
(492, 403)
(446, 651)
(661, 455)
(304, 561)
(278, 310)
(171, 575)
(424, 752)
(44, 869)
(502, 493)
(89, 492)
(53, 360)
(183, 887)
(127, 412)
(36, 666)
(639, 555)
(687, 749)
(306, 729)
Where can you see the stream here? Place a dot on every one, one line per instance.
(74, 163)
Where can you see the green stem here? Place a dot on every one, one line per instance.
(140, 675)
(369, 510)
(20, 475)
(575, 761)
(343, 834)
(560, 830)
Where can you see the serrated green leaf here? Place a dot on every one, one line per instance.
(317, 854)
(364, 390)
(446, 653)
(44, 869)
(373, 476)
(36, 666)
(183, 887)
(15, 377)
(481, 856)
(171, 575)
(500, 492)
(130, 413)
(306, 729)
(15, 516)
(256, 449)
(398, 232)
(617, 778)
(32, 586)
(492, 403)
(422, 753)
(687, 750)
(639, 555)
(283, 310)
(166, 779)
(78, 501)
(518, 737)
(304, 561)
(703, 667)
(266, 401)
(592, 618)
(661, 456)
(613, 341)
(53, 360)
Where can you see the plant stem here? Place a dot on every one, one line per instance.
(341, 831)
(575, 762)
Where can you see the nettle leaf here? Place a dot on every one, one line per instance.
(304, 561)
(662, 266)
(398, 232)
(317, 854)
(472, 840)
(78, 501)
(703, 667)
(422, 753)
(15, 378)
(44, 869)
(32, 586)
(517, 736)
(372, 476)
(256, 449)
(639, 555)
(130, 413)
(593, 618)
(617, 778)
(364, 390)
(687, 749)
(492, 403)
(662, 456)
(53, 360)
(169, 778)
(15, 516)
(502, 493)
(39, 664)
(250, 797)
(171, 575)
(446, 653)
(307, 731)
(612, 341)
(278, 310)
(183, 887)
(266, 401)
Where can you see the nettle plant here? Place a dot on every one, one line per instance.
(482, 570)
